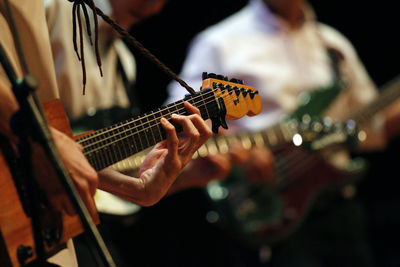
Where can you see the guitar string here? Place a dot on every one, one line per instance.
(122, 138)
(110, 158)
(130, 130)
(145, 116)
(144, 128)
(293, 165)
(204, 100)
(359, 116)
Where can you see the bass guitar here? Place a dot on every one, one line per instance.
(264, 214)
(218, 99)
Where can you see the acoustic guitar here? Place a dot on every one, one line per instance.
(217, 100)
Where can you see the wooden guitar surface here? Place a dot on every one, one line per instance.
(15, 225)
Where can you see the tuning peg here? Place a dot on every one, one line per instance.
(253, 93)
(212, 75)
(244, 92)
(235, 80)
(220, 77)
(204, 75)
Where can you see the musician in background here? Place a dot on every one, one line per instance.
(163, 163)
(278, 47)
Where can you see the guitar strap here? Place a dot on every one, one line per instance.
(315, 102)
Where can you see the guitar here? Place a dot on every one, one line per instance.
(313, 134)
(270, 213)
(218, 99)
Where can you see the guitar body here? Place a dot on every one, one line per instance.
(268, 213)
(15, 225)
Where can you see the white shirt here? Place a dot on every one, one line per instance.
(258, 47)
(101, 92)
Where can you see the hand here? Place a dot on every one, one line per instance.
(164, 162)
(82, 174)
(257, 163)
(200, 172)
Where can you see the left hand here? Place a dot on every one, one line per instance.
(201, 171)
(164, 162)
(257, 163)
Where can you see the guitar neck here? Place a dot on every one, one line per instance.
(107, 146)
(390, 92)
(275, 136)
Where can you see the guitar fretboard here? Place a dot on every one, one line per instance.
(107, 146)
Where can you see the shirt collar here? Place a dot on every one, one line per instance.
(271, 21)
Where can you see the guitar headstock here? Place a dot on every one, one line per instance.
(316, 133)
(239, 99)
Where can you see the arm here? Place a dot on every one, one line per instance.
(82, 174)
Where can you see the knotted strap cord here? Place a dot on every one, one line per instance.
(76, 11)
(123, 32)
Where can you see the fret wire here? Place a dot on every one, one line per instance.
(135, 135)
(181, 102)
(159, 128)
(151, 128)
(175, 105)
(99, 157)
(120, 146)
(131, 144)
(125, 144)
(144, 131)
(113, 151)
(205, 105)
(133, 120)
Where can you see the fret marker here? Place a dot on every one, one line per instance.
(297, 139)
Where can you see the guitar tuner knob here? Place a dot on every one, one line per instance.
(234, 80)
(204, 75)
(212, 75)
(237, 90)
(220, 77)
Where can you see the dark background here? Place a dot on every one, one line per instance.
(372, 27)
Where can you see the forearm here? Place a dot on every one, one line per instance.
(136, 190)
